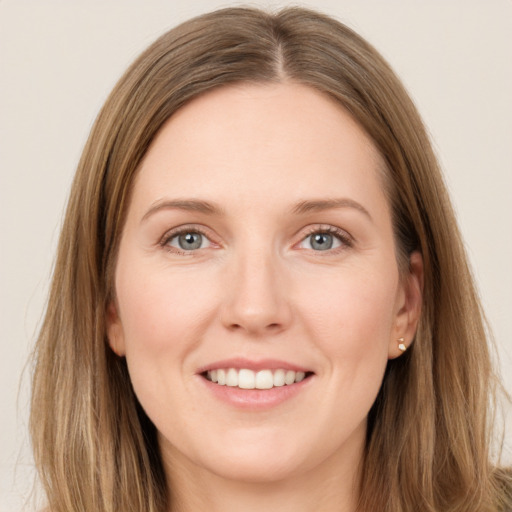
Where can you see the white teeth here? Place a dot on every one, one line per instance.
(299, 376)
(279, 378)
(232, 378)
(289, 377)
(264, 379)
(248, 379)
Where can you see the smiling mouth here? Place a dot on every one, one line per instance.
(249, 379)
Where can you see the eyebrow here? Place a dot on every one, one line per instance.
(328, 204)
(191, 205)
(301, 208)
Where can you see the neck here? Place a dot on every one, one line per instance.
(332, 486)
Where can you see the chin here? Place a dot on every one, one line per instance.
(274, 457)
(257, 469)
(246, 455)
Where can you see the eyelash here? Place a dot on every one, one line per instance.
(342, 236)
(183, 230)
(346, 240)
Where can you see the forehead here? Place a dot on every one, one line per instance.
(259, 143)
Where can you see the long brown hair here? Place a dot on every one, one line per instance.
(429, 430)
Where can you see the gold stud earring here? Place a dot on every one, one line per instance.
(401, 345)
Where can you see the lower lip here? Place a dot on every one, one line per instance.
(256, 399)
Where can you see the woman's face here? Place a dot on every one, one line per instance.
(258, 251)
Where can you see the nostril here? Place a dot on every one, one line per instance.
(270, 327)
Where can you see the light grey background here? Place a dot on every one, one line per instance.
(59, 59)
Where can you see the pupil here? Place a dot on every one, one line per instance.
(190, 241)
(322, 241)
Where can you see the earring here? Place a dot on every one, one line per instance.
(401, 345)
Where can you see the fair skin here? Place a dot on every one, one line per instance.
(259, 238)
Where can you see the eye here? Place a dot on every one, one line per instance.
(325, 239)
(188, 240)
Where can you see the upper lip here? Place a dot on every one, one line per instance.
(253, 364)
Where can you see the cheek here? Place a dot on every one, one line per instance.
(350, 313)
(349, 316)
(161, 309)
(164, 316)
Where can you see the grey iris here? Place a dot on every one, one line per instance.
(190, 241)
(321, 241)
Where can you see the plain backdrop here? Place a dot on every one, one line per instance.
(59, 59)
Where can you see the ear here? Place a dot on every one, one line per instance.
(408, 310)
(115, 332)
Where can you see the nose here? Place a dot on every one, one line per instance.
(256, 300)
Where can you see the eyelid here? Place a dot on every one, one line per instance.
(179, 230)
(343, 236)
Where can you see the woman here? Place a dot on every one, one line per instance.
(261, 297)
